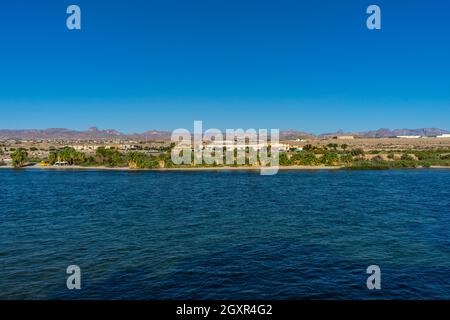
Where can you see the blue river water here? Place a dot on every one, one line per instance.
(224, 235)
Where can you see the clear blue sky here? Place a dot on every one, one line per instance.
(144, 64)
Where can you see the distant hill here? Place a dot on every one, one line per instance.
(386, 133)
(291, 134)
(94, 133)
(426, 132)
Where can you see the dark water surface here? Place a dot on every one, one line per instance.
(224, 235)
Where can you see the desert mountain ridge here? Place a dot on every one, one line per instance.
(93, 133)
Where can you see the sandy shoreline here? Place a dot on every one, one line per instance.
(175, 169)
(241, 168)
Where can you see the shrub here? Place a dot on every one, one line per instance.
(330, 158)
(407, 164)
(309, 147)
(110, 157)
(377, 159)
(347, 158)
(426, 164)
(369, 165)
(308, 159)
(357, 152)
(284, 159)
(406, 157)
(138, 160)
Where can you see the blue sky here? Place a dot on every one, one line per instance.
(144, 64)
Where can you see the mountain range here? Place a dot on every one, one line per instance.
(386, 133)
(94, 133)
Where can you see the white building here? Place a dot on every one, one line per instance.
(409, 137)
(242, 146)
(444, 136)
(85, 147)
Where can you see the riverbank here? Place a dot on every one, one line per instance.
(239, 168)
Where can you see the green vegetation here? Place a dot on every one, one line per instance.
(406, 157)
(137, 160)
(307, 159)
(330, 159)
(150, 157)
(375, 159)
(346, 159)
(333, 146)
(105, 157)
(285, 160)
(109, 158)
(19, 158)
(69, 155)
(357, 152)
(381, 164)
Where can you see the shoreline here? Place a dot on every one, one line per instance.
(240, 168)
(198, 169)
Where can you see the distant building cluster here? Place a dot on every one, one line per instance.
(41, 149)
(94, 147)
(442, 136)
(255, 146)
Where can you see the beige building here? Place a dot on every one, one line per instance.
(409, 137)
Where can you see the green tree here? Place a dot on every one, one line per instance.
(67, 154)
(307, 159)
(347, 159)
(357, 152)
(52, 157)
(71, 156)
(377, 159)
(332, 145)
(135, 160)
(109, 157)
(138, 160)
(284, 159)
(19, 158)
(406, 157)
(330, 158)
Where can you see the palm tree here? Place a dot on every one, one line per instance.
(19, 158)
(135, 160)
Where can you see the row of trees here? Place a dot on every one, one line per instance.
(69, 155)
(104, 157)
(137, 160)
(312, 156)
(324, 149)
(309, 158)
